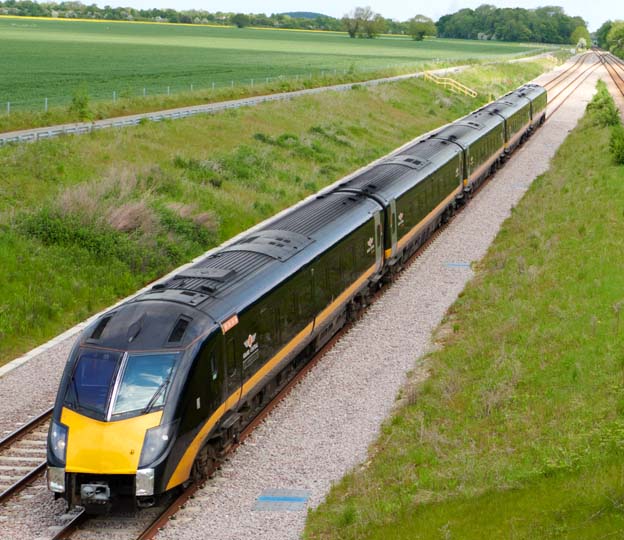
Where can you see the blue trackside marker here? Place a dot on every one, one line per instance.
(282, 500)
(265, 498)
(457, 265)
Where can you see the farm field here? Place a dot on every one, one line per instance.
(54, 58)
(87, 220)
(518, 431)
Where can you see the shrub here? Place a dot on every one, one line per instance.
(616, 144)
(80, 103)
(602, 107)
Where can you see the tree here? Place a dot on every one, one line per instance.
(580, 37)
(363, 22)
(240, 20)
(602, 33)
(421, 26)
(615, 39)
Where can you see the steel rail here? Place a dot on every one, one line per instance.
(15, 437)
(585, 75)
(614, 72)
(578, 62)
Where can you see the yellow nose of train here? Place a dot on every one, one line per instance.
(97, 447)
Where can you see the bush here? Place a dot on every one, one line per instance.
(80, 103)
(52, 228)
(602, 107)
(616, 144)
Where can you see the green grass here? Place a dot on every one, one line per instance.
(55, 58)
(518, 432)
(85, 220)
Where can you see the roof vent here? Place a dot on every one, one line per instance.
(178, 330)
(97, 333)
(207, 272)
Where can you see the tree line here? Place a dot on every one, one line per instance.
(610, 36)
(546, 24)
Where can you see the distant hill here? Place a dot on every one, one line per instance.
(304, 15)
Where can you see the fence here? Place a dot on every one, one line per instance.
(112, 95)
(451, 84)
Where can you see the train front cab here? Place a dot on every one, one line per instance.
(107, 433)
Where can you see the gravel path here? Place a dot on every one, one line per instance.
(325, 426)
(327, 423)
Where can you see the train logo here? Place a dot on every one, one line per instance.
(370, 245)
(250, 341)
(251, 350)
(401, 219)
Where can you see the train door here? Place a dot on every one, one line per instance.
(393, 227)
(210, 377)
(378, 241)
(234, 366)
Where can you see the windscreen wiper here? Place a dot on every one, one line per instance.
(156, 395)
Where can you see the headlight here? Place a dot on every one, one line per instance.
(56, 479)
(144, 482)
(155, 443)
(58, 441)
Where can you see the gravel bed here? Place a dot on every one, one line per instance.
(325, 426)
(323, 429)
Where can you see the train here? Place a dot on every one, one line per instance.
(156, 390)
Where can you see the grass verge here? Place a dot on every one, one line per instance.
(519, 430)
(86, 220)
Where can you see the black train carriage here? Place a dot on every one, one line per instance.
(515, 110)
(539, 100)
(481, 137)
(192, 359)
(418, 188)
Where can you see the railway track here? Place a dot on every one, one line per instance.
(145, 524)
(559, 78)
(23, 455)
(615, 68)
(576, 79)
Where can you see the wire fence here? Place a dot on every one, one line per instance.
(110, 95)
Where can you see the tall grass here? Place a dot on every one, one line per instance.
(519, 430)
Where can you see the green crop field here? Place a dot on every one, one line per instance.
(53, 58)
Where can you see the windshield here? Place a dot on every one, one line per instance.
(90, 383)
(144, 382)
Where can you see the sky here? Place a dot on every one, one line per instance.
(595, 12)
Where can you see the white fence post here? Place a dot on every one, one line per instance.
(213, 85)
(114, 96)
(191, 87)
(8, 108)
(45, 105)
(144, 92)
(168, 90)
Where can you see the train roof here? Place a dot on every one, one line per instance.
(471, 128)
(508, 106)
(238, 274)
(531, 91)
(174, 313)
(400, 173)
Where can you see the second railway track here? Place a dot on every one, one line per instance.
(23, 455)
